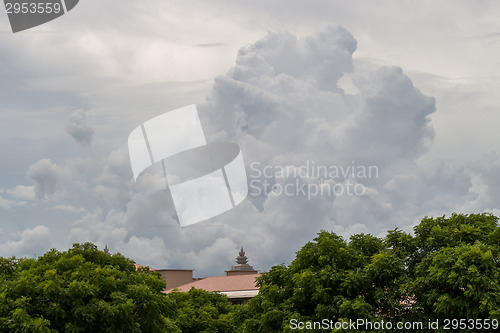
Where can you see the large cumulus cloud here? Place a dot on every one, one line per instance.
(281, 102)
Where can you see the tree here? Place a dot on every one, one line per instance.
(329, 278)
(199, 311)
(458, 273)
(81, 290)
(450, 269)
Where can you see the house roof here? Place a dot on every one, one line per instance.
(222, 283)
(137, 266)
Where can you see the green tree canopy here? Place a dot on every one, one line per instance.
(450, 269)
(457, 274)
(81, 290)
(200, 311)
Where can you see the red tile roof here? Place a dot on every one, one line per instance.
(137, 266)
(222, 283)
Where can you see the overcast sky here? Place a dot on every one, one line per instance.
(407, 87)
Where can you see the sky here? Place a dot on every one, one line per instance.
(397, 100)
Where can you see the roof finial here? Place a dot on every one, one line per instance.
(242, 258)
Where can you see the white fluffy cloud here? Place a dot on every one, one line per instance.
(29, 242)
(23, 192)
(281, 103)
(53, 180)
(6, 204)
(79, 128)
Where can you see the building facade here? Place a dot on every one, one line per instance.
(239, 283)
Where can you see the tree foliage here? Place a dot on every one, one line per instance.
(450, 269)
(86, 290)
(199, 311)
(457, 274)
(80, 290)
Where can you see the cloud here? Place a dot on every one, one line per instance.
(281, 103)
(52, 180)
(29, 242)
(115, 180)
(79, 128)
(23, 192)
(210, 45)
(46, 176)
(392, 121)
(70, 209)
(282, 114)
(322, 57)
(7, 204)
